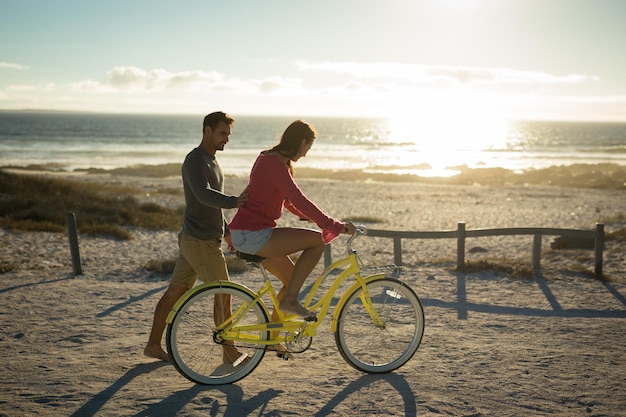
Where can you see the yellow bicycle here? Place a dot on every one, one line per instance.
(378, 322)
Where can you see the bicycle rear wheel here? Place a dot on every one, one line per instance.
(387, 345)
(194, 343)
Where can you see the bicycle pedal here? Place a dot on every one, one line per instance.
(239, 360)
(284, 355)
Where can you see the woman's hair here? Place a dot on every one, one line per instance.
(292, 138)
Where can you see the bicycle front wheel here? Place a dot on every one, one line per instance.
(195, 345)
(386, 337)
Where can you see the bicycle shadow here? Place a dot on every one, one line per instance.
(235, 405)
(396, 381)
(463, 307)
(99, 400)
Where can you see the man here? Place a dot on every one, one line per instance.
(199, 242)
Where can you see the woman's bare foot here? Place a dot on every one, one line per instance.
(156, 352)
(298, 309)
(281, 351)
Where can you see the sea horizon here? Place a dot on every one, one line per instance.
(70, 141)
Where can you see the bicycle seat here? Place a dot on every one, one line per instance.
(250, 258)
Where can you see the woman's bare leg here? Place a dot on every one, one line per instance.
(285, 241)
(282, 268)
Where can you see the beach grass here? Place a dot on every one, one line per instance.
(364, 219)
(617, 235)
(147, 171)
(511, 267)
(6, 266)
(34, 203)
(165, 266)
(595, 176)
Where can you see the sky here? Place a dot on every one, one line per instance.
(441, 60)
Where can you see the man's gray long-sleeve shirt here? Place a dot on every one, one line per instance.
(203, 183)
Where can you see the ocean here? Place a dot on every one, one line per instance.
(72, 141)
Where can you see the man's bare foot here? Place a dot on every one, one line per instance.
(298, 309)
(156, 352)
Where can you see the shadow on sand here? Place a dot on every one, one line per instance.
(398, 382)
(463, 307)
(235, 405)
(32, 284)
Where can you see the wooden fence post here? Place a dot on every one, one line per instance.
(599, 247)
(72, 233)
(537, 252)
(397, 250)
(460, 245)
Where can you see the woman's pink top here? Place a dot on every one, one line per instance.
(272, 188)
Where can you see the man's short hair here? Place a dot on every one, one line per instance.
(214, 119)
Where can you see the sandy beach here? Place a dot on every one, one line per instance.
(494, 345)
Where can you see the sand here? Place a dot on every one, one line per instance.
(494, 345)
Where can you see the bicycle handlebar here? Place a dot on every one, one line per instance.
(360, 230)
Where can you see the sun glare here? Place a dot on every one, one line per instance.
(448, 135)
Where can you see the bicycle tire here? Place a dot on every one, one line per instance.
(191, 344)
(373, 348)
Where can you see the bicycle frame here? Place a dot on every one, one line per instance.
(325, 302)
(291, 323)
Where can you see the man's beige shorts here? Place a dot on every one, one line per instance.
(199, 258)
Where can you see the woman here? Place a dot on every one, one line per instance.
(254, 231)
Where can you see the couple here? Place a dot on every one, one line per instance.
(252, 230)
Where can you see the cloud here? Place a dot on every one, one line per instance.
(351, 80)
(619, 99)
(275, 84)
(478, 75)
(11, 65)
(135, 79)
(437, 74)
(21, 87)
(321, 87)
